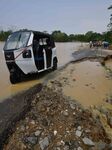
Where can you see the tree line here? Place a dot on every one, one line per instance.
(89, 36)
(63, 37)
(4, 34)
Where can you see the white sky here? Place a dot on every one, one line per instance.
(70, 16)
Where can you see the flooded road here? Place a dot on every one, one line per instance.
(64, 51)
(6, 88)
(88, 83)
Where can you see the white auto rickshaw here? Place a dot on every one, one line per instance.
(28, 52)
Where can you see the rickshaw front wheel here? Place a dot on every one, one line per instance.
(14, 78)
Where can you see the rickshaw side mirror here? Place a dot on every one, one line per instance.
(27, 54)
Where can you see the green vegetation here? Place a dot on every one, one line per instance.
(4, 35)
(63, 37)
(89, 36)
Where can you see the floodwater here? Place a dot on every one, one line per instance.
(64, 53)
(65, 50)
(6, 88)
(88, 82)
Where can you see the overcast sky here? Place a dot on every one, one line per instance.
(70, 16)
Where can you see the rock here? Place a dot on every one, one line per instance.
(104, 110)
(55, 132)
(72, 144)
(22, 128)
(38, 132)
(44, 143)
(80, 148)
(62, 142)
(65, 113)
(100, 145)
(31, 140)
(72, 105)
(110, 146)
(27, 127)
(78, 133)
(88, 141)
(66, 147)
(32, 122)
(45, 122)
(59, 144)
(67, 131)
(79, 128)
(110, 121)
(74, 113)
(87, 131)
(58, 148)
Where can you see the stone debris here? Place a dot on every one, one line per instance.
(56, 122)
(38, 132)
(55, 132)
(31, 140)
(110, 121)
(79, 128)
(78, 133)
(44, 143)
(65, 113)
(100, 145)
(80, 148)
(88, 141)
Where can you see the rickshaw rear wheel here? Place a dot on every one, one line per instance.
(54, 64)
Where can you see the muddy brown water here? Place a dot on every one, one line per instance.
(88, 83)
(64, 51)
(91, 86)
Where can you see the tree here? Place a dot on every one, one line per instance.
(60, 36)
(4, 34)
(110, 23)
(93, 36)
(107, 36)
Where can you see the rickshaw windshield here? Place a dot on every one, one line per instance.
(17, 40)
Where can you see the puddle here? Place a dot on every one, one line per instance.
(87, 83)
(64, 53)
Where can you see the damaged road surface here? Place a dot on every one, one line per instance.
(12, 109)
(44, 118)
(56, 122)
